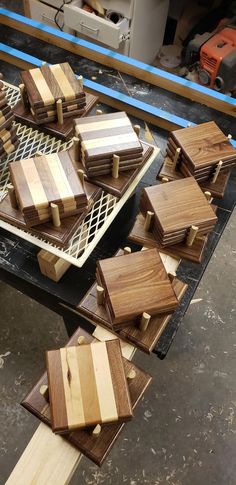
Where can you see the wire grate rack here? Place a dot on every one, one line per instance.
(100, 216)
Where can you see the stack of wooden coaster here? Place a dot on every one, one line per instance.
(53, 93)
(201, 151)
(47, 188)
(108, 144)
(133, 288)
(87, 386)
(8, 136)
(177, 211)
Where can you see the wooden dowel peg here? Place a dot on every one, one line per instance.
(137, 129)
(81, 340)
(115, 166)
(100, 294)
(76, 145)
(144, 322)
(127, 250)
(229, 137)
(12, 196)
(44, 391)
(176, 156)
(132, 374)
(207, 195)
(164, 180)
(59, 112)
(99, 112)
(38, 154)
(172, 276)
(23, 95)
(217, 171)
(81, 176)
(97, 430)
(55, 215)
(148, 220)
(81, 81)
(192, 235)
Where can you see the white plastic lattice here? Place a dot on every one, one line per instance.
(101, 215)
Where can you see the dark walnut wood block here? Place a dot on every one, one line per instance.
(59, 236)
(118, 186)
(217, 189)
(87, 386)
(96, 448)
(47, 179)
(133, 284)
(65, 131)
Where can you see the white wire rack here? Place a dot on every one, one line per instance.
(101, 215)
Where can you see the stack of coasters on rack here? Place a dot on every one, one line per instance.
(134, 288)
(53, 93)
(177, 212)
(8, 136)
(108, 144)
(47, 188)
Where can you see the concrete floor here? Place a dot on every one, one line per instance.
(184, 429)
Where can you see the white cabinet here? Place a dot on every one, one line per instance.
(45, 14)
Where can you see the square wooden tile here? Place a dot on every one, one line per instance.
(96, 448)
(47, 179)
(87, 386)
(136, 283)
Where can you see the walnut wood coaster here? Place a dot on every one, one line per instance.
(175, 210)
(201, 151)
(45, 186)
(95, 447)
(168, 173)
(58, 235)
(65, 131)
(135, 285)
(117, 186)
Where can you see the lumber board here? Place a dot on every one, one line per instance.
(133, 67)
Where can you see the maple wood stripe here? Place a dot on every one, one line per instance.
(72, 177)
(63, 83)
(50, 80)
(47, 179)
(88, 385)
(101, 125)
(17, 174)
(78, 89)
(123, 404)
(42, 87)
(4, 136)
(125, 139)
(96, 134)
(56, 391)
(59, 177)
(72, 387)
(103, 378)
(34, 183)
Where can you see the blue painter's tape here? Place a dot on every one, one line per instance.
(99, 88)
(119, 57)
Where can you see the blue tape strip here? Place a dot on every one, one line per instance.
(119, 57)
(99, 88)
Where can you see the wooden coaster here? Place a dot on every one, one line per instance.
(65, 131)
(217, 189)
(87, 386)
(55, 235)
(96, 448)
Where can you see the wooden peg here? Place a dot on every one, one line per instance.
(81, 81)
(55, 215)
(59, 112)
(189, 124)
(176, 156)
(144, 322)
(127, 250)
(99, 112)
(172, 276)
(148, 220)
(208, 195)
(100, 294)
(12, 196)
(44, 392)
(229, 137)
(38, 154)
(97, 430)
(76, 145)
(132, 374)
(217, 171)
(192, 235)
(164, 180)
(137, 129)
(115, 166)
(81, 340)
(23, 95)
(81, 176)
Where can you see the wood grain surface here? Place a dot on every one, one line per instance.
(87, 386)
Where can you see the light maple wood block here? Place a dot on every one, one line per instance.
(52, 266)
